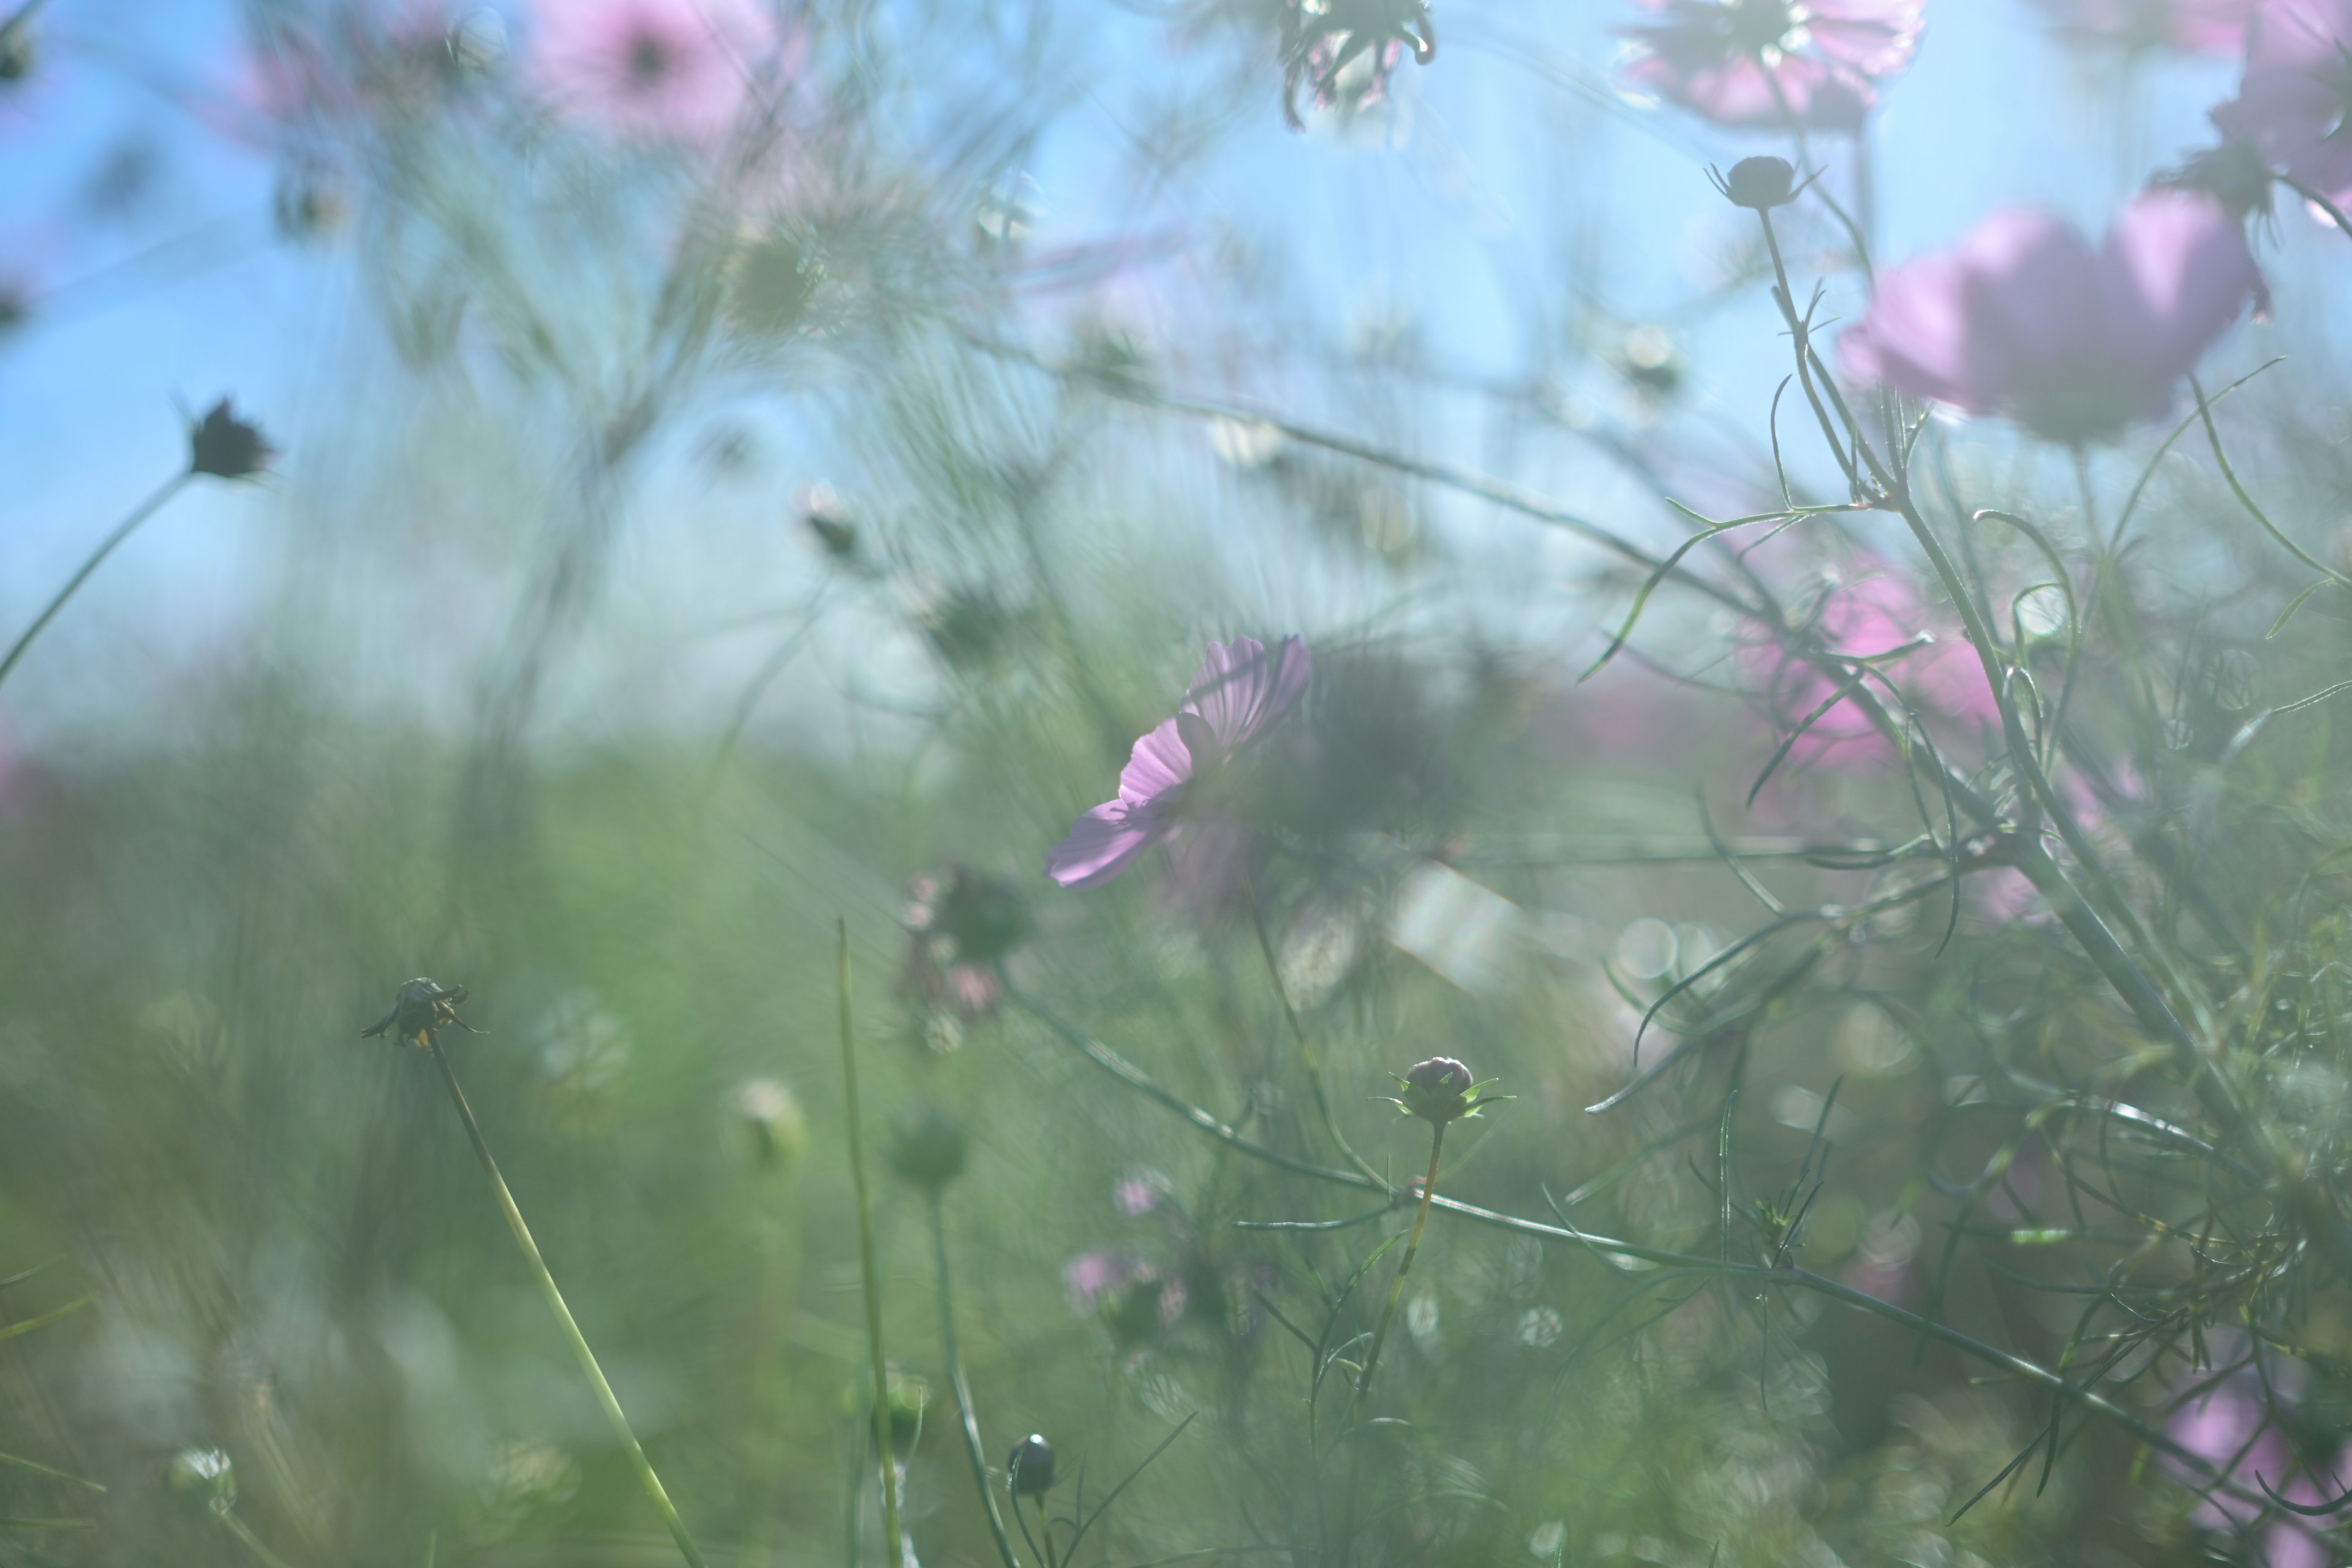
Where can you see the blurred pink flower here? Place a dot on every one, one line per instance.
(2026, 319)
(2294, 104)
(674, 69)
(1237, 692)
(1875, 611)
(1766, 64)
(1138, 1192)
(2230, 1428)
(2212, 26)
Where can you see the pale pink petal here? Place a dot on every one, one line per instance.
(1102, 844)
(1158, 766)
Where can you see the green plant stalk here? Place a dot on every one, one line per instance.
(1298, 1033)
(122, 531)
(563, 1319)
(252, 1543)
(873, 1271)
(970, 1422)
(1412, 1245)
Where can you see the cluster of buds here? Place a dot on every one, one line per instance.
(958, 928)
(1440, 1091)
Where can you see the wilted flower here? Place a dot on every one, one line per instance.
(226, 447)
(1029, 1470)
(2292, 104)
(927, 1147)
(1768, 64)
(1440, 1091)
(1320, 38)
(420, 1009)
(1236, 693)
(654, 67)
(2026, 319)
(770, 1116)
(1760, 184)
(2214, 26)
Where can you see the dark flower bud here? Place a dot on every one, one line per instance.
(927, 1147)
(1440, 1091)
(17, 54)
(226, 447)
(983, 917)
(204, 1474)
(1138, 1309)
(1030, 1470)
(770, 283)
(1761, 183)
(835, 531)
(418, 1009)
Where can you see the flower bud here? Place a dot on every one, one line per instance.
(226, 447)
(1440, 1091)
(1761, 183)
(772, 1122)
(420, 1008)
(206, 1474)
(910, 1396)
(927, 1147)
(18, 54)
(1030, 1470)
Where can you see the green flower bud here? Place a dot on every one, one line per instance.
(204, 1474)
(1440, 1091)
(1759, 184)
(927, 1147)
(771, 1122)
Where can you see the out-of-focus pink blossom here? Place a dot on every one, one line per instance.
(2212, 27)
(2294, 104)
(677, 70)
(2026, 319)
(1138, 1192)
(1237, 692)
(1876, 611)
(2229, 1426)
(1770, 64)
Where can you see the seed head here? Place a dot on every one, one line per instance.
(1760, 184)
(1030, 1470)
(226, 447)
(926, 1148)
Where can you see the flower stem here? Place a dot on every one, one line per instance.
(122, 531)
(605, 1399)
(971, 1421)
(1396, 1290)
(873, 1271)
(252, 1543)
(1298, 1033)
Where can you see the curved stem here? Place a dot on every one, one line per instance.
(963, 1389)
(253, 1543)
(122, 531)
(1298, 1033)
(605, 1399)
(891, 1530)
(1412, 1245)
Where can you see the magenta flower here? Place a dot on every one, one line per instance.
(2294, 104)
(2210, 26)
(1874, 614)
(666, 68)
(2026, 319)
(1771, 64)
(1237, 693)
(2230, 1428)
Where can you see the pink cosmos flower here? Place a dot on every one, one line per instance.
(1768, 64)
(2210, 26)
(1238, 691)
(664, 69)
(2026, 319)
(2230, 1428)
(2294, 104)
(1875, 613)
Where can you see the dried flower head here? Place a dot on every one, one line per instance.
(228, 447)
(1029, 1470)
(1760, 184)
(420, 1010)
(926, 1148)
(1440, 1091)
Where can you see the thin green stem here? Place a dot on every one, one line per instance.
(1298, 1033)
(891, 1530)
(252, 1543)
(605, 1399)
(1412, 1245)
(122, 531)
(971, 1421)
